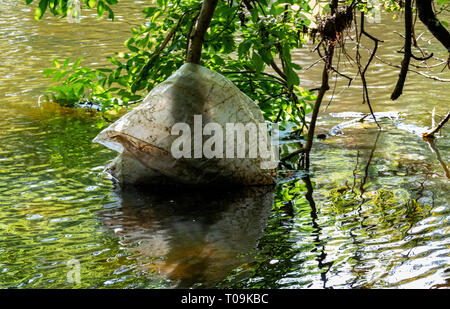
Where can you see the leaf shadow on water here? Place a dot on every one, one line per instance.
(191, 237)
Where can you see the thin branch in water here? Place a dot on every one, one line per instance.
(437, 128)
(363, 72)
(335, 83)
(343, 75)
(410, 70)
(354, 171)
(292, 154)
(434, 149)
(323, 89)
(314, 63)
(366, 169)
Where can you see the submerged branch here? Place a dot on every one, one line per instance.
(323, 89)
(437, 128)
(434, 149)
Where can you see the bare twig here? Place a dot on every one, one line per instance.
(437, 128)
(363, 72)
(281, 81)
(410, 70)
(434, 149)
(314, 63)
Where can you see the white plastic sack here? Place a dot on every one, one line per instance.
(144, 137)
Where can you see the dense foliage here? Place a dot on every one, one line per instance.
(249, 41)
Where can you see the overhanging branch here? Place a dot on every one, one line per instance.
(427, 16)
(407, 56)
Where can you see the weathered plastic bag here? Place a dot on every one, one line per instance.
(176, 112)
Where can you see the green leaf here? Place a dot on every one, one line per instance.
(56, 63)
(266, 55)
(257, 62)
(91, 3)
(100, 8)
(104, 70)
(255, 14)
(110, 12)
(115, 61)
(133, 48)
(228, 45)
(77, 63)
(292, 77)
(296, 66)
(40, 10)
(66, 63)
(48, 72)
(244, 48)
(150, 11)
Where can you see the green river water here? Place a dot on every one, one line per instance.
(374, 213)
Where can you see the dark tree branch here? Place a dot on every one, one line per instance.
(363, 72)
(329, 52)
(323, 89)
(437, 128)
(427, 16)
(434, 149)
(418, 58)
(407, 57)
(146, 68)
(422, 58)
(198, 36)
(277, 69)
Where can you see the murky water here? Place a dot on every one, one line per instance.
(374, 213)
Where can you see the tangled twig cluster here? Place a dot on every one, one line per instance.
(332, 27)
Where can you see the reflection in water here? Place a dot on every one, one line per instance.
(319, 246)
(431, 143)
(193, 237)
(381, 221)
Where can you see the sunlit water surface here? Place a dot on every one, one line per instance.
(373, 214)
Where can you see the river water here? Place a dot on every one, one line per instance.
(374, 213)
